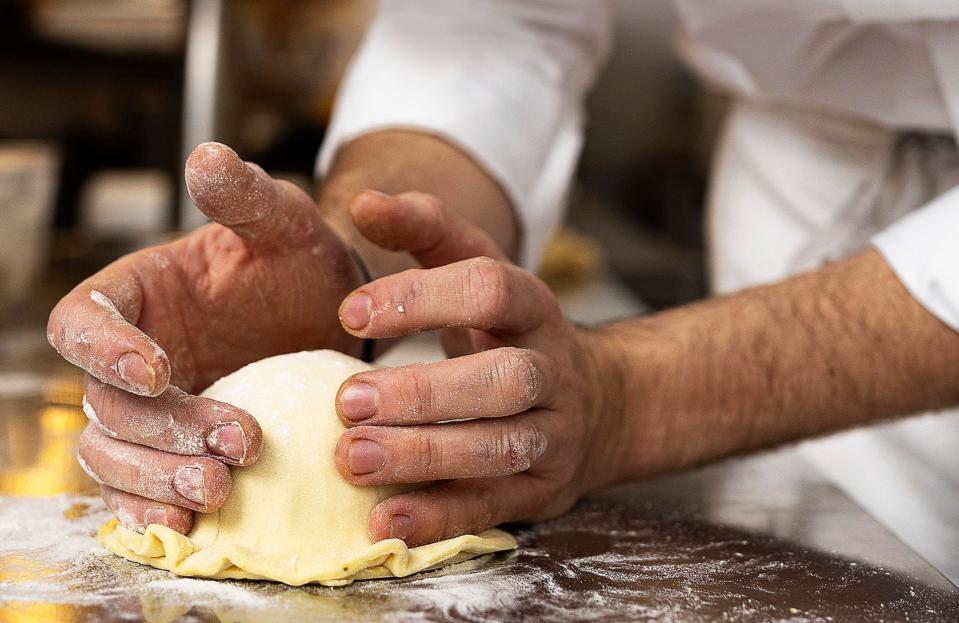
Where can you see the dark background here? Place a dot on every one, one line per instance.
(100, 87)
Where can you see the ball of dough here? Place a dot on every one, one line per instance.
(290, 516)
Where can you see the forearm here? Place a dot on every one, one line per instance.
(839, 347)
(396, 161)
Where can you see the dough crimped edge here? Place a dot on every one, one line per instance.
(163, 548)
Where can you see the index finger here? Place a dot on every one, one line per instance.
(479, 293)
(92, 327)
(175, 422)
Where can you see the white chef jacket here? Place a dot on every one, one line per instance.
(505, 81)
(502, 80)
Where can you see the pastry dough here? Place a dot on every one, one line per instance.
(290, 516)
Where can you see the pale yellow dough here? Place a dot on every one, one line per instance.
(290, 516)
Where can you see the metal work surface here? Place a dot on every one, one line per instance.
(758, 539)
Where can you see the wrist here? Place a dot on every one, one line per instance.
(604, 391)
(340, 188)
(397, 161)
(642, 399)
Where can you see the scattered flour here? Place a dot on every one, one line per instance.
(600, 562)
(42, 526)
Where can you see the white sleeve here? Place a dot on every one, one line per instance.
(923, 247)
(923, 250)
(504, 81)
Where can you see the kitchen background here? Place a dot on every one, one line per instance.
(100, 100)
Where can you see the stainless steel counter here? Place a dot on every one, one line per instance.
(765, 538)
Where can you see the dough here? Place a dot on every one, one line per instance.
(290, 516)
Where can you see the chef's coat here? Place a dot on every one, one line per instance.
(505, 81)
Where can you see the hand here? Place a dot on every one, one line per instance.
(516, 427)
(160, 324)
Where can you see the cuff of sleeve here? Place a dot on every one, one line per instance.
(923, 250)
(538, 212)
(522, 127)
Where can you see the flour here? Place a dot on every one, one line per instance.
(49, 552)
(89, 411)
(41, 526)
(234, 594)
(601, 562)
(104, 301)
(91, 414)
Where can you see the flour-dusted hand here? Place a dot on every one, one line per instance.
(515, 427)
(159, 325)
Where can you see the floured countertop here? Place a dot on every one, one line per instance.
(760, 539)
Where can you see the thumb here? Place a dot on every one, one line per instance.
(418, 224)
(265, 212)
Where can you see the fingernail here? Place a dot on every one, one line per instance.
(356, 311)
(156, 514)
(365, 457)
(401, 526)
(358, 401)
(188, 481)
(133, 369)
(228, 441)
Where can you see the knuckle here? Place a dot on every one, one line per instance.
(455, 519)
(412, 292)
(55, 326)
(99, 403)
(552, 506)
(485, 509)
(427, 202)
(444, 522)
(129, 512)
(518, 375)
(86, 453)
(87, 439)
(66, 333)
(110, 497)
(90, 445)
(478, 514)
(543, 504)
(487, 290)
(514, 449)
(179, 519)
(93, 388)
(429, 455)
(419, 400)
(546, 298)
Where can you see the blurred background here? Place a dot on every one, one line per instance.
(100, 100)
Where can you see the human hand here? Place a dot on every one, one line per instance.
(160, 324)
(520, 423)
